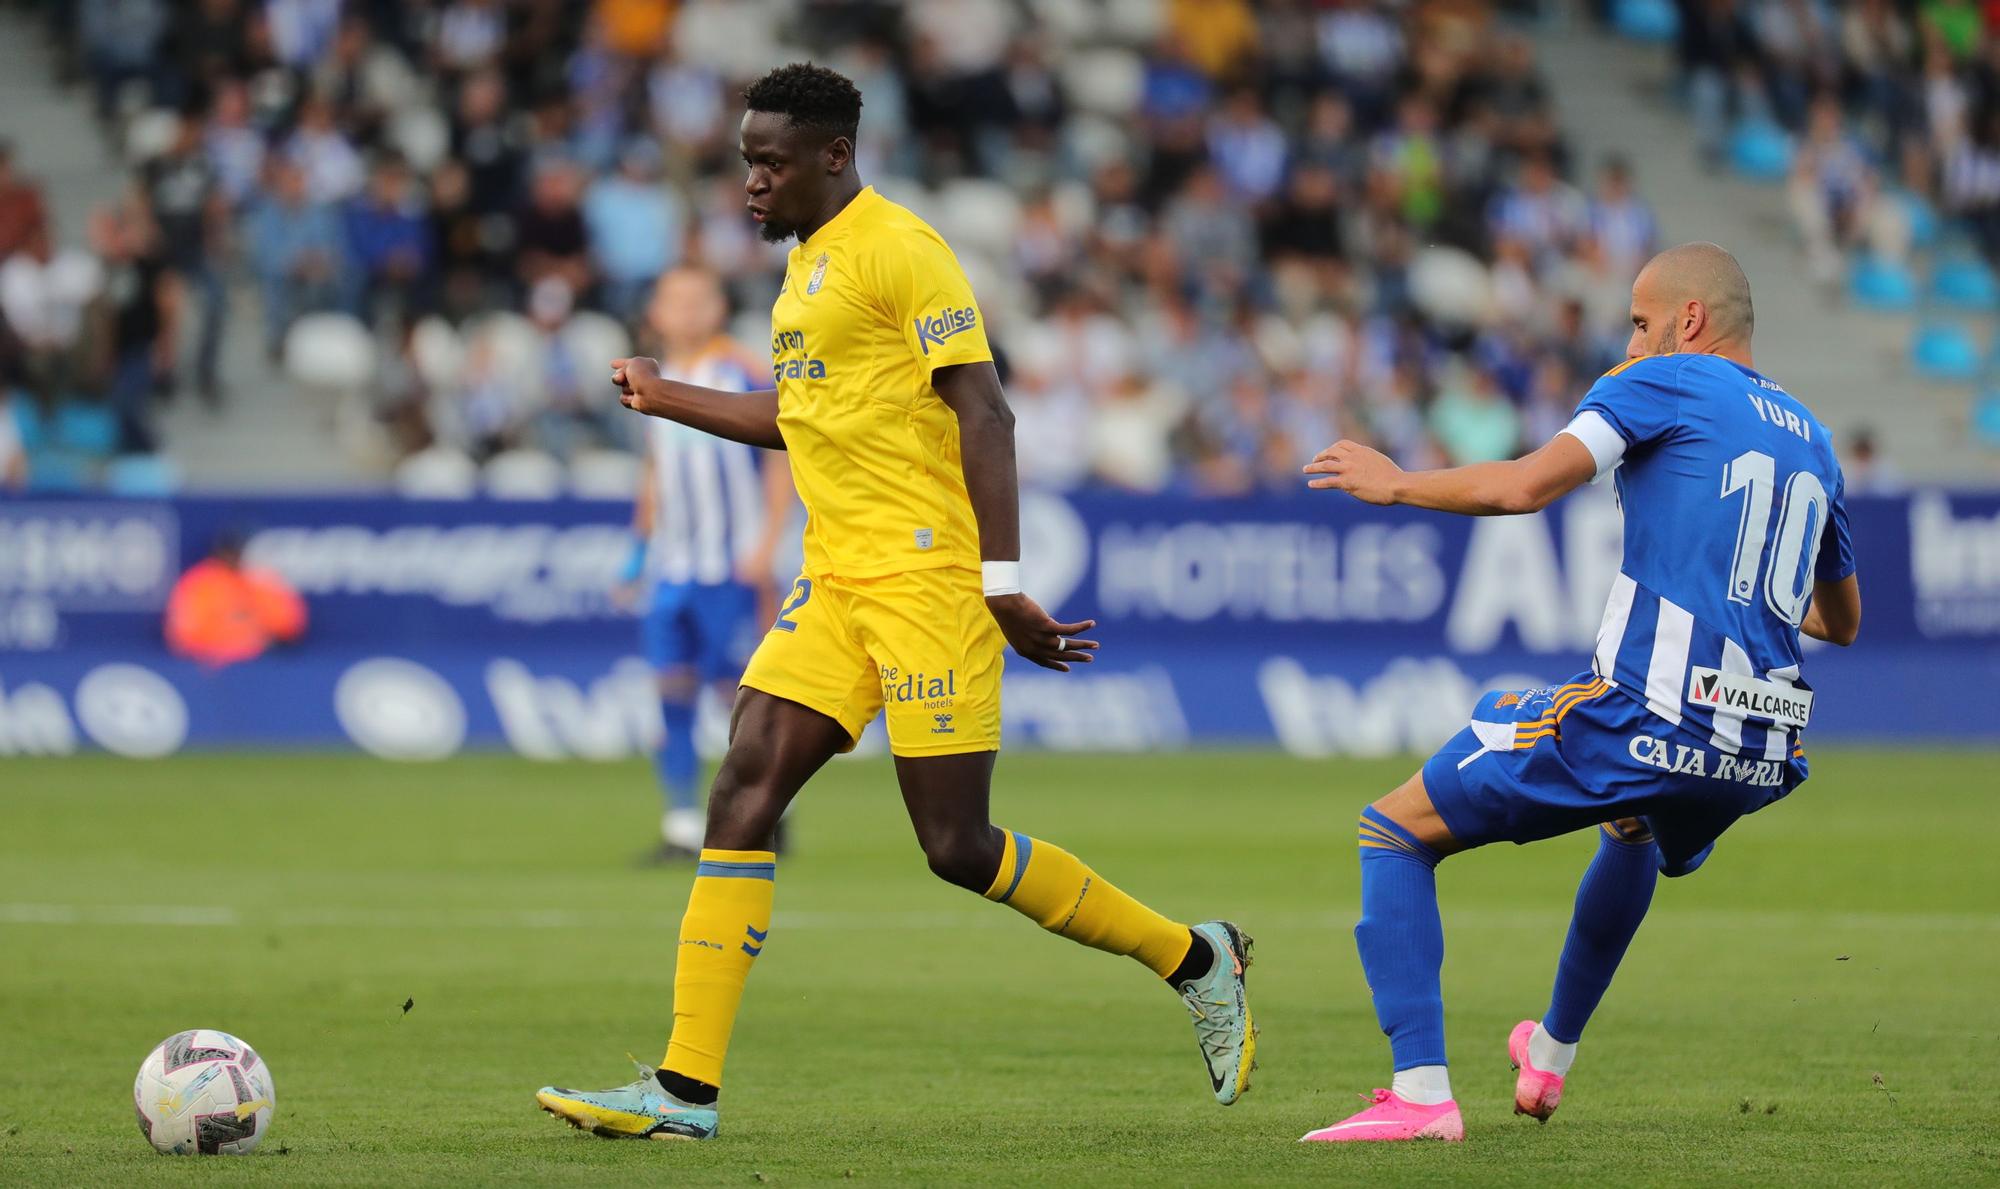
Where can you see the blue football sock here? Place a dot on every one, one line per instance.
(675, 760)
(1401, 939)
(1610, 903)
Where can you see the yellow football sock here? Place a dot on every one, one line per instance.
(728, 917)
(1046, 883)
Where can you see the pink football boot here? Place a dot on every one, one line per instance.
(1393, 1118)
(1536, 1092)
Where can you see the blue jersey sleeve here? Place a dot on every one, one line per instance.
(1632, 405)
(1836, 545)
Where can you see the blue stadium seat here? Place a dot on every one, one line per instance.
(86, 429)
(1760, 151)
(1944, 351)
(28, 422)
(1878, 284)
(1986, 419)
(57, 470)
(1922, 219)
(142, 475)
(1965, 283)
(1647, 20)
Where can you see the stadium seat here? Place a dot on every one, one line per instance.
(604, 475)
(1109, 82)
(1945, 351)
(1986, 419)
(437, 352)
(1449, 285)
(151, 133)
(523, 475)
(147, 475)
(979, 212)
(57, 470)
(29, 423)
(1878, 284)
(1965, 283)
(422, 135)
(437, 473)
(330, 351)
(1923, 221)
(1647, 20)
(1760, 151)
(593, 340)
(88, 429)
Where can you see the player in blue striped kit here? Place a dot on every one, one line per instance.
(709, 516)
(1736, 541)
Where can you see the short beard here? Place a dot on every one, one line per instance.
(1669, 341)
(775, 233)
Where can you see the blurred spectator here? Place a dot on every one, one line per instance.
(222, 613)
(1832, 191)
(1540, 210)
(143, 303)
(635, 225)
(22, 214)
(119, 40)
(235, 149)
(1247, 146)
(13, 457)
(552, 240)
(297, 249)
(566, 391)
(1626, 231)
(45, 296)
(390, 254)
(1865, 471)
(333, 167)
(1133, 427)
(1472, 421)
(190, 215)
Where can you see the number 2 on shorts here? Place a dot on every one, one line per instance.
(802, 590)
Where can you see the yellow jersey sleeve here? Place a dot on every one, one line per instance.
(929, 297)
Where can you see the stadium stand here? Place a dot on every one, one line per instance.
(1210, 236)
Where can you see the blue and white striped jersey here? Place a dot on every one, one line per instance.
(709, 493)
(1734, 505)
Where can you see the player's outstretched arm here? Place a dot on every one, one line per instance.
(1835, 615)
(1526, 484)
(747, 417)
(986, 446)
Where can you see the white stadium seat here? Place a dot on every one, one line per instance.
(437, 473)
(523, 475)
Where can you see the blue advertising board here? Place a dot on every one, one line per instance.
(1307, 621)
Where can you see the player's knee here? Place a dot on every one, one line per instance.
(966, 858)
(678, 685)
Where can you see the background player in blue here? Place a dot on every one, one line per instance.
(1736, 541)
(709, 517)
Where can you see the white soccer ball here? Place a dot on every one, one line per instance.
(204, 1092)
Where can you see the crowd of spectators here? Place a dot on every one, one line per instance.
(1210, 236)
(1879, 95)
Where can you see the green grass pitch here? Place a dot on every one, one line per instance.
(1821, 1004)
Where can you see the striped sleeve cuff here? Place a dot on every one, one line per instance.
(1606, 445)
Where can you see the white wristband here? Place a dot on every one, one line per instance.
(1000, 577)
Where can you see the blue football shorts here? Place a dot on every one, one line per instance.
(709, 627)
(1536, 763)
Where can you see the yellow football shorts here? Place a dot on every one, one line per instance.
(920, 646)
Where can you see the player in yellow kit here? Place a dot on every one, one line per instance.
(901, 446)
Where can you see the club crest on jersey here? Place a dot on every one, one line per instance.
(949, 321)
(819, 275)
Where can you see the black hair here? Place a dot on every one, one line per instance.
(810, 97)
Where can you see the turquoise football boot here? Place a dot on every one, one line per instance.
(642, 1110)
(1220, 1007)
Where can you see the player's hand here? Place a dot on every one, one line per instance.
(1362, 472)
(631, 375)
(1041, 639)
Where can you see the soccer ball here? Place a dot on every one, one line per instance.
(204, 1092)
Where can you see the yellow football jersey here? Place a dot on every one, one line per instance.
(871, 305)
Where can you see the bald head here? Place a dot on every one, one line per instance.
(1692, 298)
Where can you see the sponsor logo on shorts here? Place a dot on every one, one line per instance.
(949, 321)
(935, 691)
(1684, 759)
(1749, 696)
